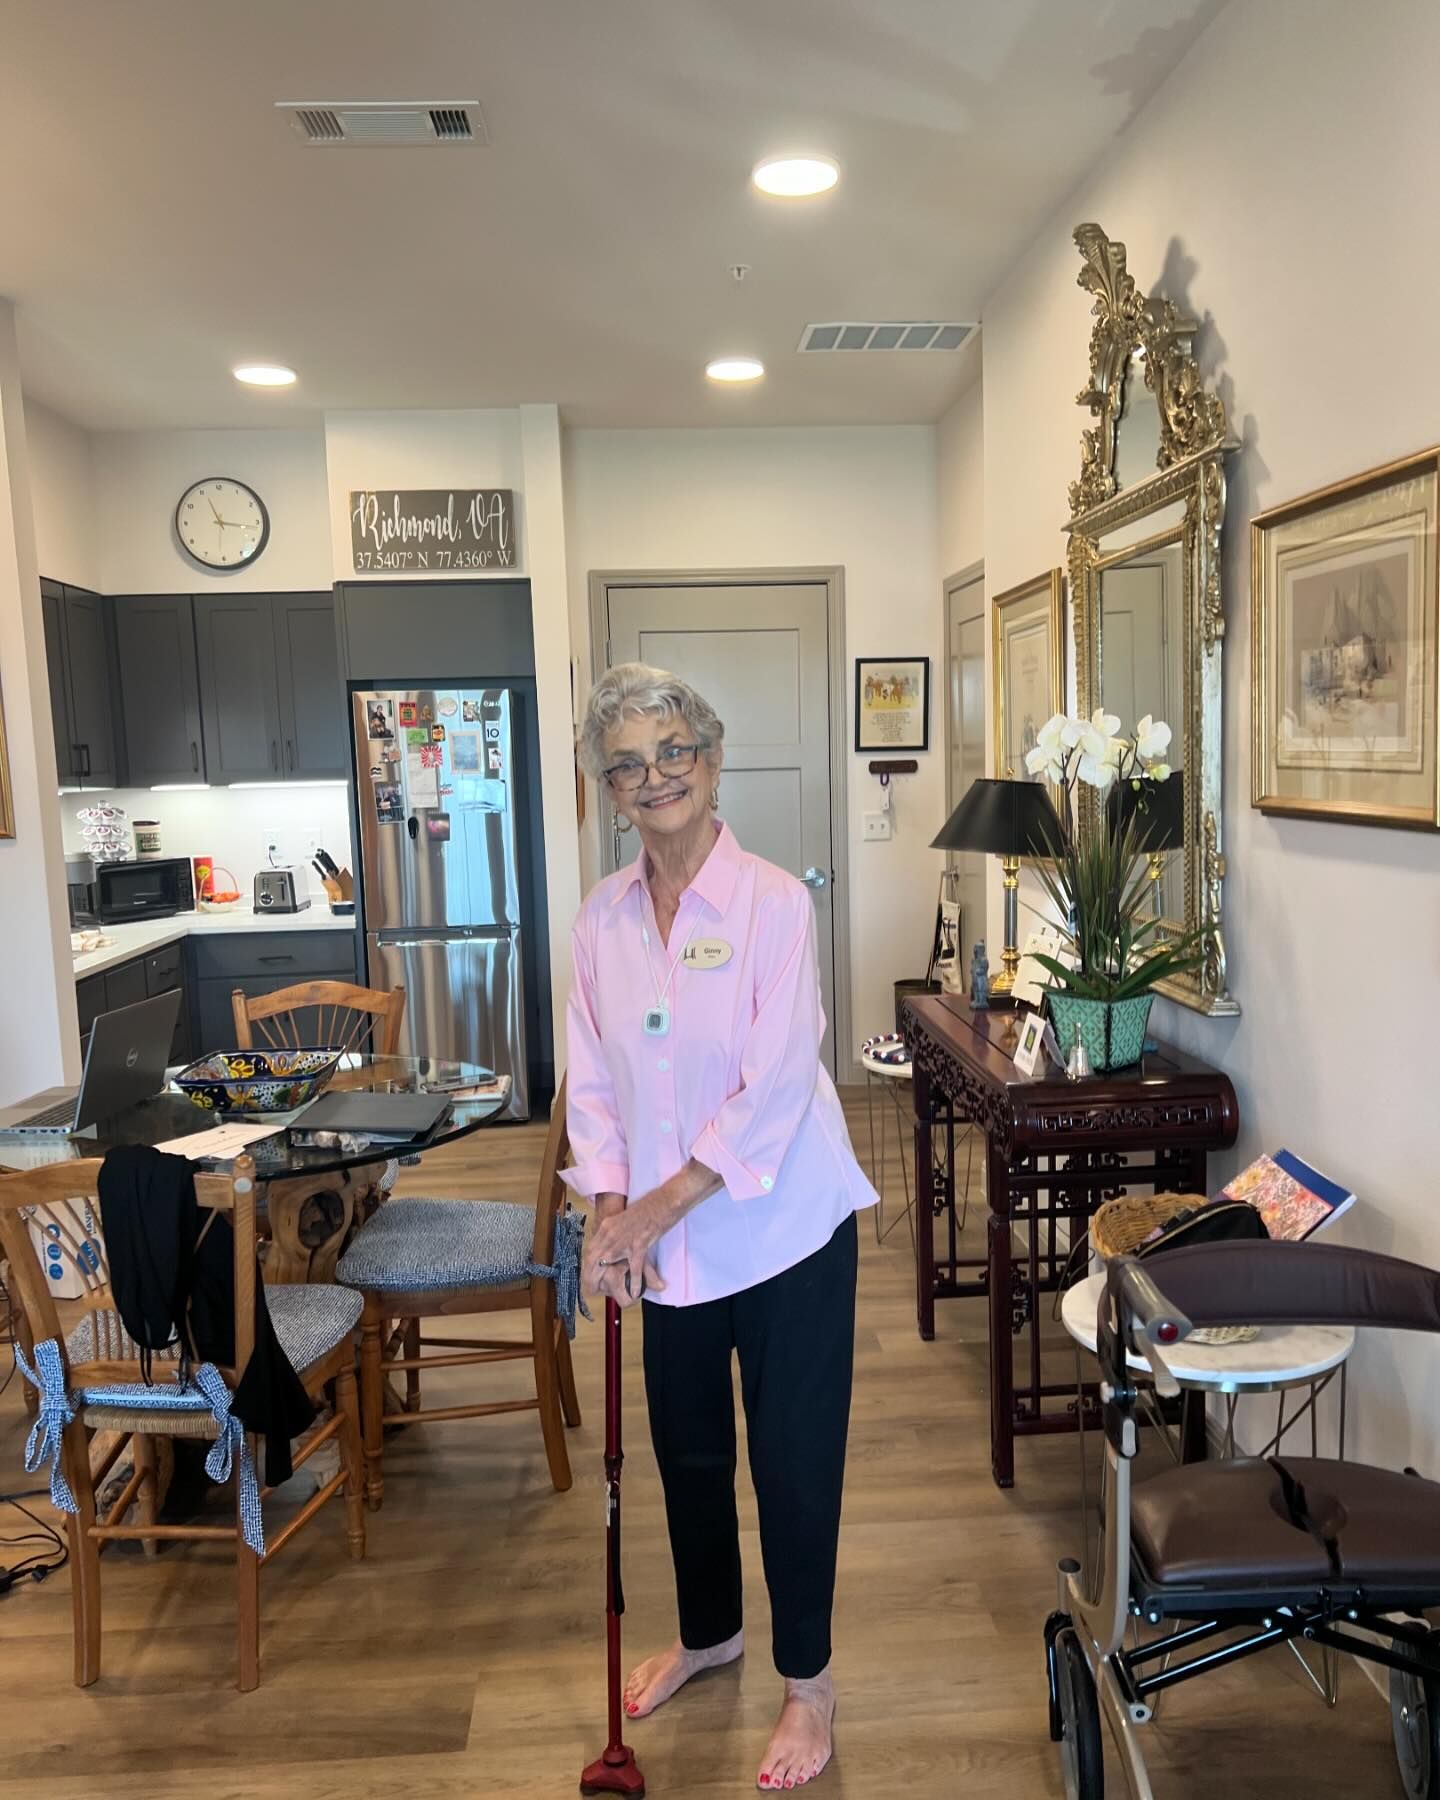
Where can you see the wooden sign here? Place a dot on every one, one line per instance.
(432, 530)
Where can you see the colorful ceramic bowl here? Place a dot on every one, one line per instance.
(257, 1081)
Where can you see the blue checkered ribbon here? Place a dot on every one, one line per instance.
(57, 1410)
(565, 1270)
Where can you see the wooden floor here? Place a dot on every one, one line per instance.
(465, 1657)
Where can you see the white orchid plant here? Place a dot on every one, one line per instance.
(1099, 882)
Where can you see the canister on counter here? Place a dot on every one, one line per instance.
(204, 873)
(147, 839)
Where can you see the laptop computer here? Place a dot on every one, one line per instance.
(125, 1063)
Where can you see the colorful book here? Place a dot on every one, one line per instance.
(1294, 1200)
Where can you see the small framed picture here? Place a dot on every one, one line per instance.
(892, 703)
(1030, 1050)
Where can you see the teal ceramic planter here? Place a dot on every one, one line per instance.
(1112, 1031)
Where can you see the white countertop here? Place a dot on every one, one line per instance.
(152, 934)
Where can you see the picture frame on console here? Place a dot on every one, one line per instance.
(1346, 587)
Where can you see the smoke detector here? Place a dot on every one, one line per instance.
(884, 335)
(393, 124)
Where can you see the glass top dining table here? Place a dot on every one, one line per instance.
(169, 1115)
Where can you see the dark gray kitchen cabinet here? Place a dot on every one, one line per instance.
(314, 729)
(260, 962)
(159, 689)
(239, 695)
(82, 680)
(158, 972)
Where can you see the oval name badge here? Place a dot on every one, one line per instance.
(707, 953)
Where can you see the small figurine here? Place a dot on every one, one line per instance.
(979, 977)
(1078, 1066)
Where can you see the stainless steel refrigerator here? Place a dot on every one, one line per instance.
(441, 871)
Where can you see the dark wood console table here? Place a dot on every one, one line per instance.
(1055, 1149)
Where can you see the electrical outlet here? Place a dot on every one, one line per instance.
(877, 827)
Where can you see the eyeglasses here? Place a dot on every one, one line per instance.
(633, 772)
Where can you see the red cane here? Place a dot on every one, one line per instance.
(616, 1772)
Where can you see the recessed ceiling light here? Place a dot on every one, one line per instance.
(735, 368)
(264, 375)
(794, 177)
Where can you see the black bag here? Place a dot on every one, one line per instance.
(1221, 1222)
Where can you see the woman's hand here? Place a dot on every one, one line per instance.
(620, 1244)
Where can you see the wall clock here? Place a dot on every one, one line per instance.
(221, 523)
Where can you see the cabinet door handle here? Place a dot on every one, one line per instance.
(84, 759)
(289, 754)
(275, 959)
(75, 760)
(274, 755)
(194, 756)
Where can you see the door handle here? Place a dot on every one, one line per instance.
(84, 759)
(814, 878)
(194, 756)
(75, 768)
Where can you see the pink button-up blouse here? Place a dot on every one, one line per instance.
(736, 1081)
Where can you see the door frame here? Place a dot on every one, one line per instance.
(832, 579)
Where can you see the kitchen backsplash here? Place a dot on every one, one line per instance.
(234, 826)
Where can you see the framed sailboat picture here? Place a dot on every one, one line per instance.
(1343, 667)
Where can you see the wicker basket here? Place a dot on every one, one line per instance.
(1123, 1225)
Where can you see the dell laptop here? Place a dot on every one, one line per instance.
(125, 1063)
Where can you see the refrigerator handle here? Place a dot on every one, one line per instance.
(412, 825)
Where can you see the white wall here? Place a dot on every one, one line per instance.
(960, 473)
(140, 475)
(62, 493)
(861, 497)
(39, 1036)
(1306, 243)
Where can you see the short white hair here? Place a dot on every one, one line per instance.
(637, 690)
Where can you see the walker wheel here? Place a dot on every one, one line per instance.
(1415, 1722)
(1082, 1756)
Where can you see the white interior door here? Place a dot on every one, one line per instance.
(759, 653)
(965, 644)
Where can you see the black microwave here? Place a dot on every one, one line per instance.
(143, 890)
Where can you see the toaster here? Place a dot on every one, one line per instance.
(279, 891)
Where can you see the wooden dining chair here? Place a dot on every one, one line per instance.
(93, 1384)
(320, 1014)
(435, 1259)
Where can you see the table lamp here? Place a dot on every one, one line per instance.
(1160, 821)
(1008, 819)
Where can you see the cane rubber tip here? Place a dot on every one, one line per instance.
(614, 1773)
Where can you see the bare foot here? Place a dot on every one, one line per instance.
(653, 1682)
(801, 1743)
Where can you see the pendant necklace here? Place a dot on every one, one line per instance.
(657, 1017)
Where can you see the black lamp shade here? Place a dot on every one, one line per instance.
(1002, 818)
(1158, 808)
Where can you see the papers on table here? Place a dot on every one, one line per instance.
(220, 1144)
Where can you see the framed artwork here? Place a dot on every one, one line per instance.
(1343, 707)
(892, 703)
(1028, 668)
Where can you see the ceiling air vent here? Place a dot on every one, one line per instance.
(392, 123)
(848, 335)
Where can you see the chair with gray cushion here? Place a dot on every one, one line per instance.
(90, 1380)
(434, 1259)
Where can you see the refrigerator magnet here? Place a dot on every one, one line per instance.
(427, 713)
(390, 754)
(379, 719)
(437, 827)
(389, 805)
(493, 761)
(431, 756)
(416, 735)
(470, 711)
(465, 752)
(377, 771)
(409, 712)
(448, 707)
(437, 734)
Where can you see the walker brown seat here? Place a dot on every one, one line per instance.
(1239, 1556)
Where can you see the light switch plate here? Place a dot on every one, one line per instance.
(877, 827)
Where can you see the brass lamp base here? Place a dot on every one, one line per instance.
(1002, 984)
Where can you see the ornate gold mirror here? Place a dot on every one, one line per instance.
(1145, 576)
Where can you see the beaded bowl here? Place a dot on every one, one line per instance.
(257, 1081)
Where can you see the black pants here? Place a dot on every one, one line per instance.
(795, 1335)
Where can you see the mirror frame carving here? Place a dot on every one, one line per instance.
(1189, 470)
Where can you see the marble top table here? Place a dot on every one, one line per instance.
(1282, 1356)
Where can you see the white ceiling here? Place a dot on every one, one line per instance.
(160, 222)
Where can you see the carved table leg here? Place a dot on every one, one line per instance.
(1002, 1352)
(924, 1210)
(310, 1217)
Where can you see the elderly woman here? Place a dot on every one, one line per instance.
(713, 1143)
